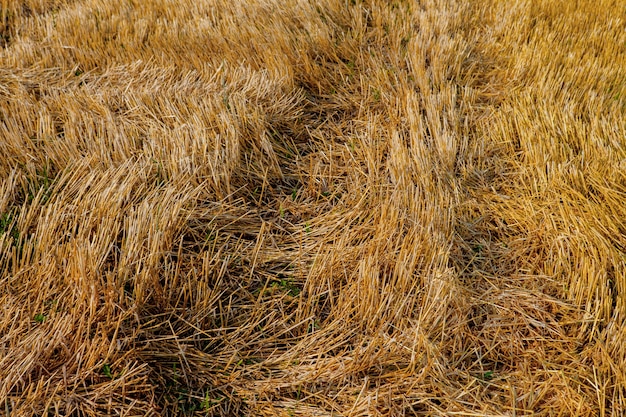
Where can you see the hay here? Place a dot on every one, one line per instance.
(312, 207)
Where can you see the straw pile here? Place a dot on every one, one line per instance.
(312, 207)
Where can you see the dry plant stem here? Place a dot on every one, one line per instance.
(312, 207)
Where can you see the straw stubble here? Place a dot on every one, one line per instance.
(312, 208)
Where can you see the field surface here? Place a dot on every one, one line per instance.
(312, 207)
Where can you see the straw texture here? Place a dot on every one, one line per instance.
(312, 207)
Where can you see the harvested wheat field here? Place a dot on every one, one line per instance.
(312, 208)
